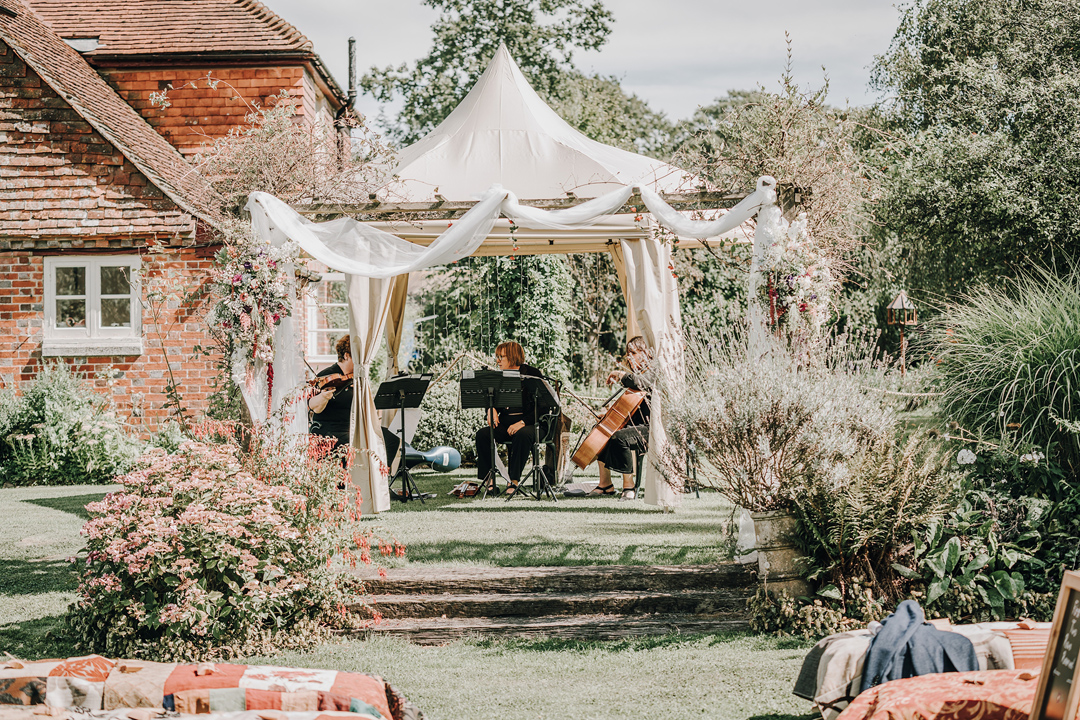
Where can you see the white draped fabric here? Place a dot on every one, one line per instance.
(369, 302)
(374, 259)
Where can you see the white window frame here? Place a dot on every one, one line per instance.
(92, 339)
(313, 320)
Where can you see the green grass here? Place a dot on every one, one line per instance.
(736, 677)
(39, 534)
(568, 531)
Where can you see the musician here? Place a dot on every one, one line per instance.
(513, 426)
(331, 408)
(618, 454)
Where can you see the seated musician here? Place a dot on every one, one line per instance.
(513, 426)
(331, 408)
(618, 454)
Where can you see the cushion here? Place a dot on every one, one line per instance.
(979, 695)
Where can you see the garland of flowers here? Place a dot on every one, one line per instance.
(799, 284)
(254, 286)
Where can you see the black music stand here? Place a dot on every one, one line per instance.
(490, 389)
(544, 399)
(400, 392)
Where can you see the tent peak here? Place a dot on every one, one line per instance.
(504, 133)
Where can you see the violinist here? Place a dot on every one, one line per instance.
(332, 407)
(618, 454)
(513, 426)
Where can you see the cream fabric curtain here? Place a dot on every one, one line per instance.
(616, 252)
(369, 302)
(655, 300)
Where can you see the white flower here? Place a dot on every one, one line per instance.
(1032, 457)
(965, 457)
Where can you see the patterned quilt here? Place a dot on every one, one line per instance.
(980, 695)
(97, 684)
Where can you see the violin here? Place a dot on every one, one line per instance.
(613, 419)
(331, 382)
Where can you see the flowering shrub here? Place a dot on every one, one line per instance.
(255, 295)
(61, 432)
(798, 284)
(209, 552)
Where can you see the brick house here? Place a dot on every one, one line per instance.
(106, 231)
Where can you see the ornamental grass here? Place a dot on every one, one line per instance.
(1008, 360)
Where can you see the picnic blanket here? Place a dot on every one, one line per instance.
(94, 683)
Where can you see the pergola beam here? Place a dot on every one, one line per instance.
(449, 209)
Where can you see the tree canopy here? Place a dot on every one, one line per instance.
(541, 35)
(983, 97)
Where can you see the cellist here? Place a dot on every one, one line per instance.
(618, 453)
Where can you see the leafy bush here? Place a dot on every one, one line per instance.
(854, 526)
(1009, 363)
(61, 432)
(210, 552)
(444, 422)
(771, 416)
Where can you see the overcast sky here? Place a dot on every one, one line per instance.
(676, 54)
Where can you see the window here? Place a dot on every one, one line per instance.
(92, 306)
(327, 317)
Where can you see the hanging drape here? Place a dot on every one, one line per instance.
(374, 259)
(369, 303)
(616, 252)
(654, 295)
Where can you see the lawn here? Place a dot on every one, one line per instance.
(739, 677)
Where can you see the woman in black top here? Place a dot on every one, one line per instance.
(513, 426)
(633, 439)
(331, 409)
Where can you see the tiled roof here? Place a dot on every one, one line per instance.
(139, 27)
(69, 75)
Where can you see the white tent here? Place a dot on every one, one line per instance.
(503, 135)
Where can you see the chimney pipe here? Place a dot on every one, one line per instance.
(352, 72)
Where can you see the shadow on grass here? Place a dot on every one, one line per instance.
(646, 642)
(22, 577)
(543, 554)
(74, 504)
(39, 639)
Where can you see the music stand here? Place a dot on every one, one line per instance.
(544, 399)
(490, 389)
(400, 392)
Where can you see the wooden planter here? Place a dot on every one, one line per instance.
(780, 563)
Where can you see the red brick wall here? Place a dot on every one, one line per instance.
(138, 383)
(58, 177)
(198, 113)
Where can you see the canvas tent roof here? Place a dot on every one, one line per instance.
(504, 133)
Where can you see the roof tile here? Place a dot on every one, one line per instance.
(69, 75)
(135, 27)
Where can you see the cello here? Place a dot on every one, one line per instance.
(613, 419)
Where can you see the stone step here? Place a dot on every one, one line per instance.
(418, 580)
(503, 605)
(437, 631)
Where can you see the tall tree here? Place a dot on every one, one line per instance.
(541, 35)
(984, 98)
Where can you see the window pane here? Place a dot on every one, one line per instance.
(325, 342)
(114, 280)
(336, 292)
(337, 317)
(70, 313)
(70, 281)
(115, 312)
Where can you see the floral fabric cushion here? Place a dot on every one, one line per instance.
(980, 695)
(94, 683)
